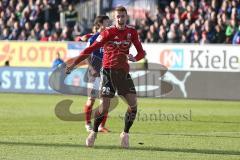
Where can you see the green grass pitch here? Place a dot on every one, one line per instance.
(164, 129)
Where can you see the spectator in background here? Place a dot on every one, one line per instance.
(236, 37)
(58, 28)
(54, 37)
(5, 34)
(36, 15)
(32, 36)
(172, 35)
(149, 38)
(196, 38)
(183, 38)
(166, 24)
(56, 33)
(46, 9)
(211, 17)
(15, 31)
(230, 30)
(58, 61)
(22, 36)
(210, 31)
(7, 14)
(37, 31)
(219, 35)
(149, 21)
(153, 34)
(162, 34)
(204, 39)
(142, 29)
(47, 29)
(181, 30)
(141, 35)
(176, 17)
(63, 6)
(16, 28)
(1, 6)
(43, 36)
(7, 63)
(198, 16)
(2, 24)
(11, 20)
(13, 36)
(71, 16)
(25, 16)
(67, 34)
(19, 9)
(27, 28)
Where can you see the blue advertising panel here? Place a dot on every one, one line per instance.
(34, 80)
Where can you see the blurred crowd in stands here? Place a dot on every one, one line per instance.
(207, 21)
(38, 20)
(182, 21)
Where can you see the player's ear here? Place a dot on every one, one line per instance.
(98, 25)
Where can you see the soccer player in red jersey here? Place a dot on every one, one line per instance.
(116, 41)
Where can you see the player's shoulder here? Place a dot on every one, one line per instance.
(110, 27)
(108, 31)
(130, 27)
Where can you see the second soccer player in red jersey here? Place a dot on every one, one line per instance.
(116, 41)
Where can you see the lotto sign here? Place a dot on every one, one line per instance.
(37, 54)
(31, 54)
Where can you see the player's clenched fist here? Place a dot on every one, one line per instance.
(131, 58)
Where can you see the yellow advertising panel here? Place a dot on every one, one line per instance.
(31, 54)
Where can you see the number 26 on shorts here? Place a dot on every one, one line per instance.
(106, 90)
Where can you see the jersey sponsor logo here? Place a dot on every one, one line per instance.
(172, 58)
(122, 45)
(121, 42)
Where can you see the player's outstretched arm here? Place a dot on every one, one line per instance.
(83, 55)
(100, 41)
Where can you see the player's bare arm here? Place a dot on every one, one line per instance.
(83, 55)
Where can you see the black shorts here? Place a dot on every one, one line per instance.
(113, 81)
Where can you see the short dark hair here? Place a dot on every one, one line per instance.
(121, 9)
(99, 20)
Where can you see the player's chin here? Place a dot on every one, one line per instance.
(120, 23)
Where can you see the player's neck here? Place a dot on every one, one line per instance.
(121, 27)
